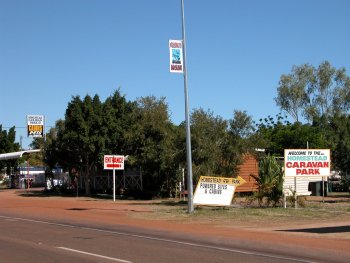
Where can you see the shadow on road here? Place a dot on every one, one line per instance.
(320, 230)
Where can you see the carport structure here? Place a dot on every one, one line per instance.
(16, 155)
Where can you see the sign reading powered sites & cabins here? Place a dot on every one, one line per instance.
(216, 191)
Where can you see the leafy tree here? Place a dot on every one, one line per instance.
(119, 118)
(218, 145)
(208, 135)
(279, 134)
(338, 138)
(314, 92)
(239, 140)
(329, 93)
(292, 90)
(8, 144)
(154, 143)
(82, 139)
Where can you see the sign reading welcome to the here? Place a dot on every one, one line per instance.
(307, 162)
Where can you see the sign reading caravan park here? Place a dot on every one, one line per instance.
(176, 57)
(35, 125)
(307, 162)
(216, 191)
(113, 162)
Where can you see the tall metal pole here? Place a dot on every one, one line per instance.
(188, 130)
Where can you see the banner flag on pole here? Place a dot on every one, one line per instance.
(176, 56)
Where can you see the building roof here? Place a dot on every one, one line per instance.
(16, 155)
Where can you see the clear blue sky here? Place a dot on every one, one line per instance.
(51, 50)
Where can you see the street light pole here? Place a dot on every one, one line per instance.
(188, 130)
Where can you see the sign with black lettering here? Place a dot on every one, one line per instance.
(217, 191)
(35, 125)
(176, 57)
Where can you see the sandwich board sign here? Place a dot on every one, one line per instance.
(216, 191)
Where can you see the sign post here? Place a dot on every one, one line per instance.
(113, 162)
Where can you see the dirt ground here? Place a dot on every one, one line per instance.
(333, 235)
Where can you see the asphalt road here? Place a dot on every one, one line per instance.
(27, 240)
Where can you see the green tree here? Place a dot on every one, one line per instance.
(154, 140)
(314, 92)
(208, 133)
(338, 138)
(82, 138)
(240, 139)
(278, 134)
(8, 144)
(119, 119)
(292, 90)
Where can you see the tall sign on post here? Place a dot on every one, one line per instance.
(113, 162)
(35, 125)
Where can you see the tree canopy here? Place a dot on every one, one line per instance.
(314, 92)
(143, 130)
(8, 144)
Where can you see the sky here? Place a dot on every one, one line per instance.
(51, 50)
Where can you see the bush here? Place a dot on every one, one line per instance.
(269, 181)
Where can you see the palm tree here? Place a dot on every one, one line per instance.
(269, 180)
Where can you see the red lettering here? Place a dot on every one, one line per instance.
(175, 44)
(307, 171)
(176, 67)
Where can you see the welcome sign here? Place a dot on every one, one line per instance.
(307, 162)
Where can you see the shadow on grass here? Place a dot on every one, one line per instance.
(94, 197)
(43, 193)
(161, 203)
(320, 230)
(54, 193)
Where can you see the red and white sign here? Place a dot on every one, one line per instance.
(307, 162)
(113, 162)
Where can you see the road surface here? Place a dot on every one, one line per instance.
(36, 229)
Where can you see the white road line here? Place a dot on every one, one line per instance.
(245, 252)
(94, 255)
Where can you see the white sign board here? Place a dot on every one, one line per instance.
(216, 191)
(35, 125)
(176, 57)
(113, 162)
(307, 162)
